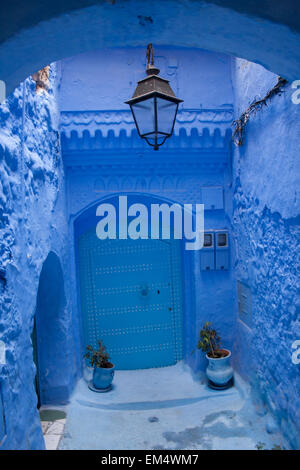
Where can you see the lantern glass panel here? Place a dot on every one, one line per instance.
(144, 115)
(154, 138)
(166, 112)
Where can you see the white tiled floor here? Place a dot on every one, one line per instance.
(53, 431)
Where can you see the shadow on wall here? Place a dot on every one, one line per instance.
(51, 341)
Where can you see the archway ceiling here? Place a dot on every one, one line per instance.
(18, 14)
(34, 34)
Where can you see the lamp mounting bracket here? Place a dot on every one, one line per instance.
(150, 68)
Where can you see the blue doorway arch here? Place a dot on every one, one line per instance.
(130, 296)
(49, 336)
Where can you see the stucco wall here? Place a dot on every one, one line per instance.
(32, 224)
(266, 231)
(253, 30)
(103, 156)
(207, 295)
(265, 211)
(105, 79)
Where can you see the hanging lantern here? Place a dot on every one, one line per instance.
(154, 105)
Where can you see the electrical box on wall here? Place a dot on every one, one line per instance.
(215, 252)
(222, 249)
(207, 253)
(212, 197)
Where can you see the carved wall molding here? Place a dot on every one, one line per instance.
(136, 163)
(121, 120)
(104, 155)
(82, 192)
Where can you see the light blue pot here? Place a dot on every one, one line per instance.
(219, 372)
(103, 377)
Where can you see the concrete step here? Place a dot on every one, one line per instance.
(163, 409)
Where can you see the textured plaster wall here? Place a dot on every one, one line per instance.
(264, 221)
(105, 79)
(266, 231)
(31, 224)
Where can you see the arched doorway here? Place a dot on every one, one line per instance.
(131, 297)
(49, 335)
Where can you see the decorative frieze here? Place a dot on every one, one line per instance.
(103, 155)
(121, 120)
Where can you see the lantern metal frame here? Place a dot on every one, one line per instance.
(154, 87)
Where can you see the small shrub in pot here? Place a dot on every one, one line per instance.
(103, 372)
(219, 371)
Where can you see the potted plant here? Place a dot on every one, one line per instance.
(104, 370)
(219, 371)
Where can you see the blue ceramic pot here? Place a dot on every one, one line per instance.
(219, 371)
(103, 377)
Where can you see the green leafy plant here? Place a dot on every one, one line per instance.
(260, 445)
(277, 447)
(98, 357)
(210, 342)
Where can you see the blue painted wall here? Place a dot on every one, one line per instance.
(196, 157)
(266, 231)
(52, 319)
(105, 79)
(32, 223)
(260, 211)
(77, 26)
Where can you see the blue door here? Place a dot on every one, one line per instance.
(131, 299)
